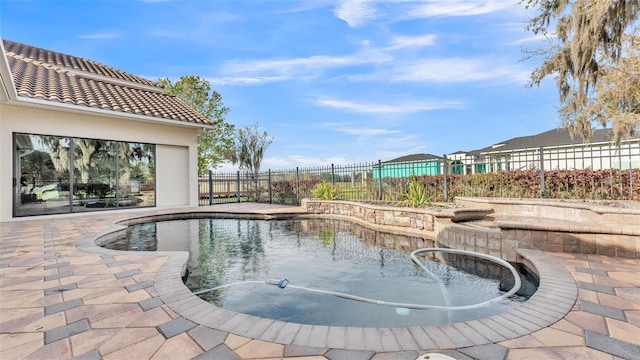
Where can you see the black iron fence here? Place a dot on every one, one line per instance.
(595, 171)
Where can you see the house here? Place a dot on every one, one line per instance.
(77, 136)
(405, 166)
(463, 162)
(557, 150)
(550, 150)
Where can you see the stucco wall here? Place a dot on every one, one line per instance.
(65, 123)
(171, 190)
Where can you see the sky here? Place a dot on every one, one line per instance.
(332, 81)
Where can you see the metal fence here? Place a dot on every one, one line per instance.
(595, 171)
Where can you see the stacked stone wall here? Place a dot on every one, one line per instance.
(520, 225)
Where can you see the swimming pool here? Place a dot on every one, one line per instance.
(324, 254)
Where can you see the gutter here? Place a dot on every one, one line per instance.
(49, 105)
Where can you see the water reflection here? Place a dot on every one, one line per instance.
(329, 255)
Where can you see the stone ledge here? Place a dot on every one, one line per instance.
(542, 224)
(570, 227)
(577, 211)
(535, 314)
(401, 220)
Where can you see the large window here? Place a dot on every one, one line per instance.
(60, 174)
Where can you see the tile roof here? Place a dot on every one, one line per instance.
(47, 75)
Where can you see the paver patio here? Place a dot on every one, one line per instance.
(61, 297)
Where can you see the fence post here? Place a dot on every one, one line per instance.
(610, 173)
(620, 172)
(542, 181)
(333, 175)
(379, 179)
(445, 169)
(238, 186)
(298, 185)
(269, 186)
(630, 175)
(210, 187)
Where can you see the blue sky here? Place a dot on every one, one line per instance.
(333, 81)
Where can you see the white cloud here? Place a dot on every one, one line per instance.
(445, 70)
(375, 64)
(250, 72)
(314, 161)
(400, 42)
(275, 162)
(306, 64)
(448, 70)
(430, 8)
(535, 38)
(257, 80)
(420, 70)
(370, 63)
(355, 12)
(406, 107)
(283, 65)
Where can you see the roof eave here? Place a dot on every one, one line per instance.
(7, 87)
(50, 105)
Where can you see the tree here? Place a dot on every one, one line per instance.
(86, 150)
(618, 91)
(248, 150)
(212, 143)
(589, 46)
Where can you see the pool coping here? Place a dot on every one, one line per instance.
(556, 295)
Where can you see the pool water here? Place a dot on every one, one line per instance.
(327, 255)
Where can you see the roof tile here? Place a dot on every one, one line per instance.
(51, 76)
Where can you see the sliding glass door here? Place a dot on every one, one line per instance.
(94, 175)
(42, 167)
(59, 174)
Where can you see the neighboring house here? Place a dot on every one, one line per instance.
(405, 166)
(77, 135)
(557, 150)
(551, 150)
(462, 162)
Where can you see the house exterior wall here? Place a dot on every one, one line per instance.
(589, 156)
(172, 159)
(46, 121)
(406, 169)
(598, 156)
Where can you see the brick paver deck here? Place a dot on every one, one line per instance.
(61, 297)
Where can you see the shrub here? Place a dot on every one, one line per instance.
(326, 191)
(415, 195)
(284, 191)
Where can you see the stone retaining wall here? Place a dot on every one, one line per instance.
(405, 220)
(570, 227)
(530, 225)
(482, 240)
(567, 210)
